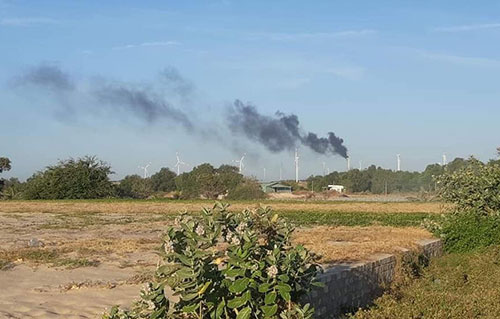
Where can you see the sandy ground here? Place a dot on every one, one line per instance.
(92, 260)
(170, 207)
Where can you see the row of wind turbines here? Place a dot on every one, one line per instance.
(241, 165)
(177, 165)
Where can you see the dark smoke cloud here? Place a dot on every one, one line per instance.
(281, 132)
(143, 104)
(47, 76)
(278, 133)
(176, 82)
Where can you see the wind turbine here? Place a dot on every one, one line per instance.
(179, 163)
(360, 165)
(296, 165)
(398, 156)
(264, 169)
(240, 163)
(444, 160)
(145, 168)
(348, 164)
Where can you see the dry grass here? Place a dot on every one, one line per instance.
(129, 207)
(343, 244)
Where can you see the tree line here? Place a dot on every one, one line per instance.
(377, 180)
(88, 177)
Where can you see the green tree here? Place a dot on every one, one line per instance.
(134, 186)
(83, 178)
(247, 189)
(4, 164)
(163, 181)
(208, 182)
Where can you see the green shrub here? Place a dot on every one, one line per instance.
(475, 187)
(83, 178)
(247, 190)
(228, 265)
(468, 230)
(474, 221)
(134, 186)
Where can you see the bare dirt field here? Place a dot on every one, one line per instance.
(75, 259)
(166, 207)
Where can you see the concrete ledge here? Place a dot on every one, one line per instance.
(351, 286)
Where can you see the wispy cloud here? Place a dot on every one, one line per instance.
(26, 22)
(276, 36)
(292, 83)
(468, 27)
(147, 44)
(462, 60)
(350, 72)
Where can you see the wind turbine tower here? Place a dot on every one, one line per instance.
(264, 169)
(348, 164)
(444, 160)
(145, 168)
(296, 165)
(240, 163)
(399, 161)
(179, 163)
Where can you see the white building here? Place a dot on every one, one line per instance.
(337, 188)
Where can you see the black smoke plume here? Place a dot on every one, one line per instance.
(145, 105)
(282, 132)
(278, 133)
(46, 76)
(140, 102)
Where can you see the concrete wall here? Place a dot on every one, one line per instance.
(351, 286)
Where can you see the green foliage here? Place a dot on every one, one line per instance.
(12, 188)
(377, 180)
(454, 286)
(5, 164)
(163, 181)
(134, 186)
(248, 189)
(208, 182)
(229, 265)
(82, 178)
(474, 222)
(474, 187)
(467, 231)
(336, 218)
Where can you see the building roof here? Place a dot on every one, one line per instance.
(275, 184)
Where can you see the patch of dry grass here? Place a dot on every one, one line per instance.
(345, 244)
(170, 207)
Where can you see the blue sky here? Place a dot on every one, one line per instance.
(415, 78)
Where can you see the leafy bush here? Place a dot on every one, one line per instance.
(475, 219)
(468, 230)
(228, 265)
(474, 187)
(163, 180)
(247, 190)
(83, 178)
(134, 186)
